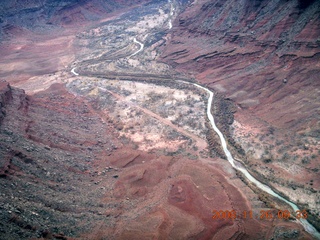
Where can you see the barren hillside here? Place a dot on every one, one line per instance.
(103, 134)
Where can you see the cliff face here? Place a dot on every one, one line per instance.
(5, 96)
(47, 143)
(18, 17)
(66, 174)
(262, 54)
(69, 169)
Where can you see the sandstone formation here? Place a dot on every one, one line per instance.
(101, 139)
(263, 56)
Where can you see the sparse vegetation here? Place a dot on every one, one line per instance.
(305, 160)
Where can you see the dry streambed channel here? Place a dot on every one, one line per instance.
(154, 117)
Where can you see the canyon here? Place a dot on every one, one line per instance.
(105, 136)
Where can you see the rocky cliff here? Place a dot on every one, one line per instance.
(19, 17)
(5, 96)
(262, 54)
(86, 154)
(66, 174)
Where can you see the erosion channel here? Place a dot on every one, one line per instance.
(116, 123)
(240, 167)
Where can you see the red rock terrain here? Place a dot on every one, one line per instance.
(65, 174)
(264, 57)
(262, 54)
(67, 171)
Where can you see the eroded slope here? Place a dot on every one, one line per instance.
(264, 56)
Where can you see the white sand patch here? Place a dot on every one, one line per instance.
(219, 88)
(249, 102)
(137, 137)
(133, 62)
(238, 94)
(149, 22)
(182, 108)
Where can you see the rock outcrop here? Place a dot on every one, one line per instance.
(65, 174)
(5, 96)
(262, 54)
(20, 17)
(67, 171)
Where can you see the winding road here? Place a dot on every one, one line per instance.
(307, 226)
(141, 47)
(74, 72)
(171, 13)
